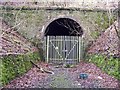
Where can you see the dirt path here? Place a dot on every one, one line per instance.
(65, 78)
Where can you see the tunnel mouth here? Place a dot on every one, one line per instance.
(63, 27)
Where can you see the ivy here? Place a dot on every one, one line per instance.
(109, 65)
(15, 65)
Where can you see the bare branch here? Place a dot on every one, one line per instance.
(67, 25)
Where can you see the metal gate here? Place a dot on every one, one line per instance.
(63, 49)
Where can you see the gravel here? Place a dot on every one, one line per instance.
(64, 78)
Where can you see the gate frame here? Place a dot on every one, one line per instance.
(80, 43)
(52, 20)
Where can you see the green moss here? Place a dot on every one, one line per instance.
(99, 21)
(9, 17)
(33, 20)
(15, 65)
(109, 65)
(102, 19)
(95, 34)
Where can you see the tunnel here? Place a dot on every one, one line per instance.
(63, 41)
(63, 27)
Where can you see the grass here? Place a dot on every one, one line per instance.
(109, 65)
(15, 65)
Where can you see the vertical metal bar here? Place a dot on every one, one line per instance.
(66, 43)
(50, 48)
(70, 47)
(79, 49)
(53, 49)
(76, 49)
(44, 46)
(61, 46)
(55, 53)
(82, 48)
(47, 48)
(51, 52)
(67, 47)
(70, 55)
(73, 49)
(57, 45)
(56, 48)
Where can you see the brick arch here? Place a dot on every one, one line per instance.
(69, 18)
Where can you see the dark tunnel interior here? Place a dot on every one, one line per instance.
(63, 27)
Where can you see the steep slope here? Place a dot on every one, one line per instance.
(12, 42)
(108, 43)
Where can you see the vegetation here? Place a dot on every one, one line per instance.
(29, 20)
(15, 65)
(109, 65)
(100, 21)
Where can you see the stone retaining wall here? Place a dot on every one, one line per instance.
(12, 42)
(108, 43)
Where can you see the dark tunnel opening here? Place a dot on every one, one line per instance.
(63, 27)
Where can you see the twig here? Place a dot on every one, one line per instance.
(116, 31)
(41, 69)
